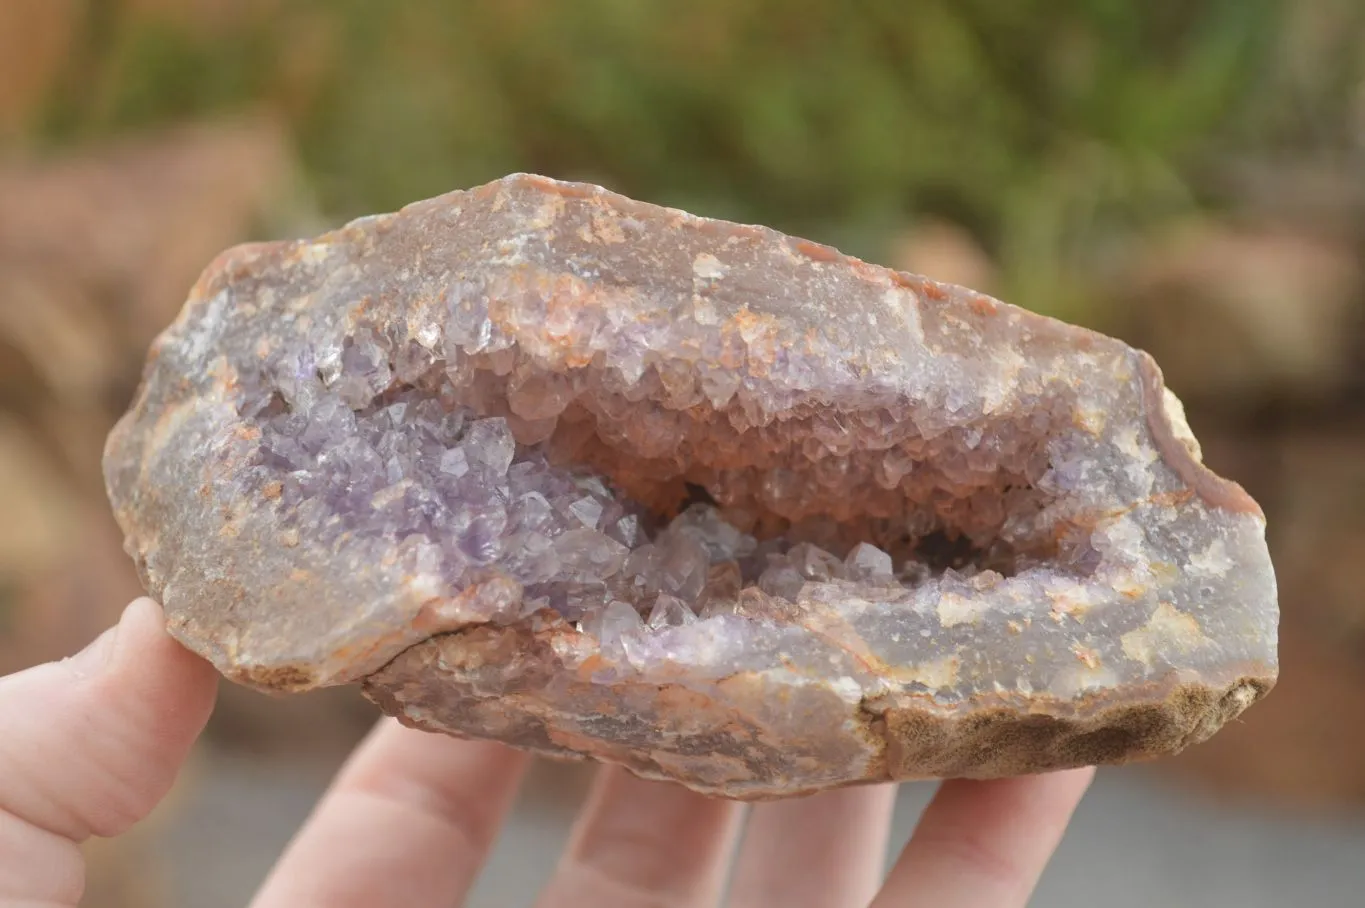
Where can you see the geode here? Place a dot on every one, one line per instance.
(538, 463)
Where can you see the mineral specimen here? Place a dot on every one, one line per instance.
(539, 463)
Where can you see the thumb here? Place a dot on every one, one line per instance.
(89, 745)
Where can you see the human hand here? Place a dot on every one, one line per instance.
(89, 745)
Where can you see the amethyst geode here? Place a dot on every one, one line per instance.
(539, 463)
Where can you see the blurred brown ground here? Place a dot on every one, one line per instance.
(1256, 309)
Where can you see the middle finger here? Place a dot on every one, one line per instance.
(645, 843)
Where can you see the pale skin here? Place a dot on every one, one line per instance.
(89, 745)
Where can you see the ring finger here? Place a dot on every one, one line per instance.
(827, 850)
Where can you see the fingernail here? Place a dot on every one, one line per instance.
(94, 658)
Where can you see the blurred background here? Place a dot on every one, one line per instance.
(1186, 174)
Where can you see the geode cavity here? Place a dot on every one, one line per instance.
(539, 463)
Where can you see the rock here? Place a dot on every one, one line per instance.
(63, 574)
(96, 250)
(37, 38)
(1244, 315)
(1319, 534)
(1067, 583)
(1295, 753)
(946, 252)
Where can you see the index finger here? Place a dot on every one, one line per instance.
(409, 821)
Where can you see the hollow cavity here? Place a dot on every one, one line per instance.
(626, 502)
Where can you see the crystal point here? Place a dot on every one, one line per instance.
(670, 611)
(867, 562)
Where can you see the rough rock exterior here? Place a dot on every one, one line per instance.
(539, 463)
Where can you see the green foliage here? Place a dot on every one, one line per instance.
(1047, 129)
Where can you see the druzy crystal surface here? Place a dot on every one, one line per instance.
(538, 463)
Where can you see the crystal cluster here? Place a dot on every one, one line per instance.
(539, 463)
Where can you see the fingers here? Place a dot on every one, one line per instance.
(408, 822)
(38, 867)
(90, 745)
(645, 843)
(984, 843)
(825, 851)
